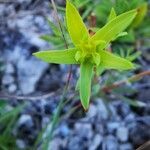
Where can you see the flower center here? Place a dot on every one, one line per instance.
(88, 51)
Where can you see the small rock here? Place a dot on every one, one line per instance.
(12, 88)
(45, 121)
(63, 130)
(126, 146)
(96, 142)
(7, 79)
(40, 21)
(101, 109)
(55, 144)
(92, 111)
(29, 73)
(130, 117)
(35, 40)
(9, 69)
(26, 120)
(110, 143)
(84, 130)
(123, 109)
(20, 144)
(25, 22)
(114, 115)
(122, 134)
(112, 126)
(75, 143)
(145, 120)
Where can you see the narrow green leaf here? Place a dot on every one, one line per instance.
(51, 39)
(133, 102)
(75, 25)
(85, 83)
(112, 15)
(115, 26)
(141, 12)
(58, 56)
(122, 34)
(111, 61)
(77, 87)
(134, 56)
(54, 28)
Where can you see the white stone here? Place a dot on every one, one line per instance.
(112, 126)
(21, 144)
(25, 119)
(29, 73)
(96, 142)
(7, 79)
(92, 111)
(12, 88)
(126, 146)
(102, 110)
(9, 69)
(122, 134)
(84, 130)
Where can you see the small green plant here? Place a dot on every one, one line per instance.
(90, 51)
(7, 123)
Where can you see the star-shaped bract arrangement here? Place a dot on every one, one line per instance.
(90, 51)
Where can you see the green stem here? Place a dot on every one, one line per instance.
(130, 79)
(56, 115)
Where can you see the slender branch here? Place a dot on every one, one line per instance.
(145, 146)
(5, 96)
(138, 76)
(120, 83)
(61, 104)
(63, 35)
(7, 1)
(59, 23)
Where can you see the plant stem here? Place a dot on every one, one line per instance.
(59, 23)
(56, 115)
(120, 83)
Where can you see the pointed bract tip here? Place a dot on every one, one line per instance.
(85, 108)
(35, 54)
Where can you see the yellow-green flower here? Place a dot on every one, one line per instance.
(90, 51)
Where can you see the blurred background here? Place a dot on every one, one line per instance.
(32, 114)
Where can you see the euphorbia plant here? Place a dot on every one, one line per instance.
(90, 51)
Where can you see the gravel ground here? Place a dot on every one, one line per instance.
(112, 126)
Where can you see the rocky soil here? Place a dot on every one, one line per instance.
(112, 126)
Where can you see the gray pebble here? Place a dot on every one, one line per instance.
(12, 88)
(45, 121)
(84, 130)
(102, 110)
(25, 119)
(110, 143)
(55, 144)
(92, 111)
(29, 73)
(9, 69)
(64, 130)
(7, 79)
(126, 146)
(96, 142)
(20, 144)
(112, 126)
(122, 134)
(75, 143)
